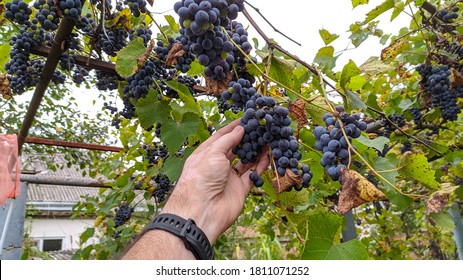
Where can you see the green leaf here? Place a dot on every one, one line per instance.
(443, 220)
(280, 69)
(150, 110)
(185, 95)
(419, 3)
(350, 70)
(326, 59)
(87, 234)
(356, 3)
(316, 108)
(377, 143)
(378, 10)
(388, 171)
(398, 8)
(357, 82)
(327, 37)
(174, 134)
(416, 166)
(127, 58)
(173, 165)
(172, 23)
(322, 241)
(354, 101)
(4, 56)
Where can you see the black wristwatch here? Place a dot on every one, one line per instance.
(194, 238)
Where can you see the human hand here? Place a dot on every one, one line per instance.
(210, 191)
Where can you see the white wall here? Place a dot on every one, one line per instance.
(67, 229)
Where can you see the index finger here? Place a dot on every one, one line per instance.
(224, 130)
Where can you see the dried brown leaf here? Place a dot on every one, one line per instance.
(297, 109)
(143, 58)
(286, 182)
(436, 203)
(356, 190)
(175, 52)
(216, 87)
(5, 89)
(456, 78)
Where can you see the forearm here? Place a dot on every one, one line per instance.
(158, 245)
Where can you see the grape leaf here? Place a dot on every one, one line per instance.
(356, 3)
(173, 165)
(378, 10)
(327, 37)
(174, 134)
(323, 242)
(4, 56)
(377, 143)
(87, 234)
(127, 58)
(354, 101)
(416, 166)
(316, 107)
(280, 69)
(150, 110)
(326, 59)
(350, 70)
(185, 95)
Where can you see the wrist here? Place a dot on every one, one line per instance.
(195, 209)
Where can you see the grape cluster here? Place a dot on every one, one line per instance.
(183, 63)
(201, 24)
(266, 123)
(406, 147)
(436, 80)
(239, 35)
(163, 187)
(112, 40)
(332, 142)
(79, 74)
(416, 115)
(155, 152)
(448, 16)
(71, 8)
(18, 11)
(399, 120)
(47, 14)
(237, 95)
(123, 214)
(143, 33)
(136, 6)
(106, 81)
(87, 25)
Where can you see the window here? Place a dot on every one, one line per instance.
(52, 245)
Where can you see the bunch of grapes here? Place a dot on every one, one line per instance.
(87, 25)
(67, 61)
(123, 214)
(112, 40)
(155, 152)
(182, 63)
(18, 11)
(106, 81)
(332, 141)
(47, 14)
(266, 123)
(71, 8)
(136, 6)
(163, 187)
(448, 16)
(436, 80)
(399, 120)
(79, 74)
(416, 115)
(143, 33)
(237, 95)
(239, 35)
(201, 25)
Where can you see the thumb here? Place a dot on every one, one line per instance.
(225, 143)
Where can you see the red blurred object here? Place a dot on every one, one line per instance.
(10, 171)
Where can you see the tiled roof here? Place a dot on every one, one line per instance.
(48, 193)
